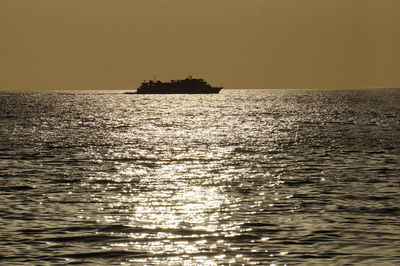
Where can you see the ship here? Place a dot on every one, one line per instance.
(188, 85)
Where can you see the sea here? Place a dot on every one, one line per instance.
(267, 177)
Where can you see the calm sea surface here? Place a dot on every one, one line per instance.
(243, 177)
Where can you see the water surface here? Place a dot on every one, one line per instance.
(243, 177)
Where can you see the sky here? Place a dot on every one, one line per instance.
(116, 44)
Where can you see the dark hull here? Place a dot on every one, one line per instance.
(169, 90)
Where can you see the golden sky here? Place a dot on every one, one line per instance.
(116, 44)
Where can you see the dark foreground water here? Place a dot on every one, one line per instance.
(262, 177)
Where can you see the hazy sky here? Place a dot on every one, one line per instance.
(111, 44)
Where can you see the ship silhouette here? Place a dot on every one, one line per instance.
(188, 85)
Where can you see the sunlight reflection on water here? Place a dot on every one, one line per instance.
(179, 209)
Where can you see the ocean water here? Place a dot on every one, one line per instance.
(242, 177)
